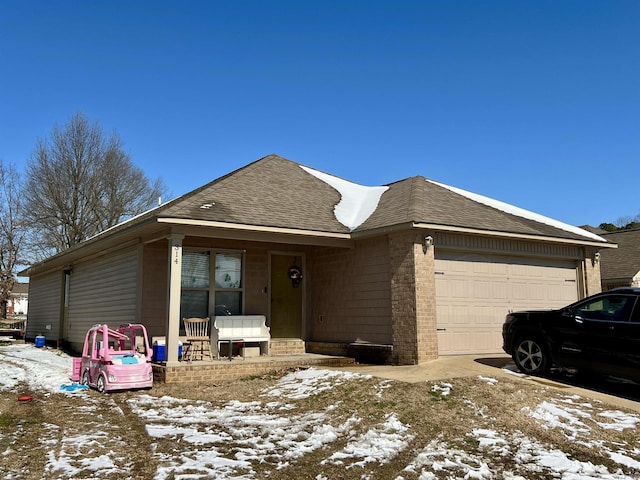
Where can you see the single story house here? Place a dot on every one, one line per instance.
(403, 272)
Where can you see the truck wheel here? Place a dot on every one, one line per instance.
(100, 384)
(531, 356)
(85, 378)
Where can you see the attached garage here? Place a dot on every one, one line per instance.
(474, 292)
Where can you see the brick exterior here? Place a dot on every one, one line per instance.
(287, 346)
(209, 372)
(592, 277)
(413, 299)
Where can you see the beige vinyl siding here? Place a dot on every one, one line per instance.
(103, 290)
(348, 292)
(45, 299)
(153, 312)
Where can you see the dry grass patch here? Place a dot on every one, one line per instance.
(428, 415)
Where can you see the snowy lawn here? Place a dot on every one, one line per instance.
(305, 424)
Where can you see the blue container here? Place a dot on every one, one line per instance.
(39, 341)
(159, 351)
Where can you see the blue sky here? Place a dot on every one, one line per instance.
(534, 103)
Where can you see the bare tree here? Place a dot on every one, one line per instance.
(12, 232)
(622, 221)
(80, 183)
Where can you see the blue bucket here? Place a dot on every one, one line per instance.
(39, 341)
(159, 351)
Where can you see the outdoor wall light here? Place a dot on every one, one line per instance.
(596, 258)
(427, 243)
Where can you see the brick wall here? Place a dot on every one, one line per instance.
(592, 277)
(224, 370)
(412, 299)
(285, 346)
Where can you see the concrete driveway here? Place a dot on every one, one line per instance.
(619, 394)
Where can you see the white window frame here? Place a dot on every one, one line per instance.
(212, 289)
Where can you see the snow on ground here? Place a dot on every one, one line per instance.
(197, 439)
(304, 383)
(38, 367)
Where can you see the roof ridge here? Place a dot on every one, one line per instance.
(237, 171)
(416, 197)
(628, 230)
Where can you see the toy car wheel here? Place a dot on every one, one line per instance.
(85, 378)
(531, 356)
(100, 384)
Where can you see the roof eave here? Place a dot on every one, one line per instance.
(245, 231)
(125, 233)
(511, 235)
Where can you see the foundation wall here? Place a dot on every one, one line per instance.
(195, 372)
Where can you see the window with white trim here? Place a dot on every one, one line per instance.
(200, 297)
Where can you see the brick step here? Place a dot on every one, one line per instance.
(286, 346)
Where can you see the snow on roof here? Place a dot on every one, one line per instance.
(520, 212)
(357, 202)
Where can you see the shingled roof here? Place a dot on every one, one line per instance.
(276, 192)
(624, 262)
(271, 192)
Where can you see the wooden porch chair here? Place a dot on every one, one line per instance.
(198, 342)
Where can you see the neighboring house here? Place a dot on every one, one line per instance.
(620, 267)
(19, 301)
(408, 271)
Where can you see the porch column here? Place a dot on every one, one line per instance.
(173, 299)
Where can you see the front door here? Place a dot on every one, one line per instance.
(286, 296)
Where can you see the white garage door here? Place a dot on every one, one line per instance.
(474, 293)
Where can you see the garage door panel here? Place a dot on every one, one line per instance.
(566, 289)
(490, 289)
(470, 343)
(461, 315)
(479, 289)
(460, 288)
(527, 291)
(474, 293)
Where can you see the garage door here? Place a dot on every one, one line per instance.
(474, 293)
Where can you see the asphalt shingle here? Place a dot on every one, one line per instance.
(622, 262)
(276, 192)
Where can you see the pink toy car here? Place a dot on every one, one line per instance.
(116, 359)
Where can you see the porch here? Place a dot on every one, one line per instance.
(285, 354)
(206, 371)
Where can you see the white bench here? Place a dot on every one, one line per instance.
(240, 328)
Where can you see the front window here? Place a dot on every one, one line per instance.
(228, 284)
(200, 297)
